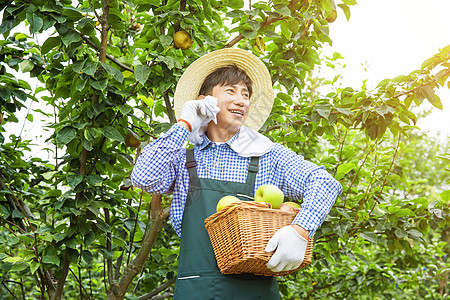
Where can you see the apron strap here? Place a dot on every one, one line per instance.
(252, 168)
(191, 165)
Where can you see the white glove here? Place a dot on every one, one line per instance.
(199, 112)
(290, 249)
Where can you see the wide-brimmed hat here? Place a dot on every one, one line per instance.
(262, 97)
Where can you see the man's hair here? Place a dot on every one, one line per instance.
(228, 75)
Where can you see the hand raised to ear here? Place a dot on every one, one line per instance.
(199, 112)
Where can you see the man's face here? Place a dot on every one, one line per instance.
(234, 104)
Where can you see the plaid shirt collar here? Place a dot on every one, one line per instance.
(206, 142)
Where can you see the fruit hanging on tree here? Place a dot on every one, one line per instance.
(182, 40)
(332, 16)
(131, 140)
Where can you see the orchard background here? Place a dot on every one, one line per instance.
(74, 228)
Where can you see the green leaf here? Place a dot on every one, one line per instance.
(71, 37)
(26, 66)
(249, 34)
(124, 109)
(74, 180)
(285, 98)
(7, 24)
(349, 2)
(400, 233)
(435, 101)
(344, 169)
(13, 259)
(89, 238)
(99, 84)
(50, 43)
(86, 144)
(87, 257)
(94, 179)
(103, 226)
(346, 10)
(323, 110)
(445, 195)
(142, 72)
(35, 21)
(370, 236)
(285, 30)
(65, 135)
(51, 258)
(17, 214)
(34, 265)
(403, 212)
(166, 40)
(116, 74)
(89, 69)
(416, 234)
(112, 133)
(282, 9)
(234, 4)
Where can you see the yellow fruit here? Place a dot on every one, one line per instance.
(290, 206)
(225, 201)
(332, 16)
(182, 40)
(131, 140)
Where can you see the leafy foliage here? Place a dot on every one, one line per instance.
(107, 71)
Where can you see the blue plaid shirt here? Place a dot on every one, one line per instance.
(161, 169)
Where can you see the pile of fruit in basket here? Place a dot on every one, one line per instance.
(269, 194)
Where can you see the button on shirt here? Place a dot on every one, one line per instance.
(161, 169)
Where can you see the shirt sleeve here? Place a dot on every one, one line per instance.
(157, 166)
(304, 179)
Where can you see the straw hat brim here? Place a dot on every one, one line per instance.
(262, 97)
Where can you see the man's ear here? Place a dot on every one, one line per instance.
(201, 97)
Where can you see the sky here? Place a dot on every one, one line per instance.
(385, 37)
(391, 38)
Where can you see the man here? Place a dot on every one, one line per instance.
(234, 97)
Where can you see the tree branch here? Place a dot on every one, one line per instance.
(170, 112)
(89, 42)
(159, 289)
(62, 281)
(266, 22)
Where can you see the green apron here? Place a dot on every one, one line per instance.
(199, 277)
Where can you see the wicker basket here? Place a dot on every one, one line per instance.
(239, 234)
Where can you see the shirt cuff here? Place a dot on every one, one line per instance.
(305, 219)
(177, 133)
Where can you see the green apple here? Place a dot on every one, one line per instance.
(269, 193)
(226, 200)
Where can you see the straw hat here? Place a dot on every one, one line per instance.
(262, 97)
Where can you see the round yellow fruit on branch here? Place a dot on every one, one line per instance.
(225, 201)
(182, 40)
(269, 193)
(332, 16)
(131, 140)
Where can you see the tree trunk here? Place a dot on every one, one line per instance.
(159, 217)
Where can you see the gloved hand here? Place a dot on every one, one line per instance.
(199, 112)
(290, 249)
